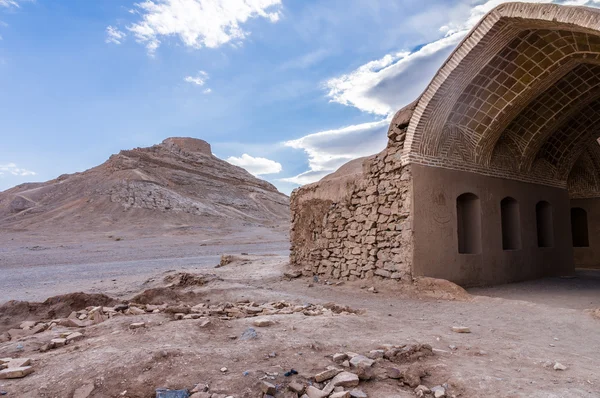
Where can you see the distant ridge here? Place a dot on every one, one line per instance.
(178, 181)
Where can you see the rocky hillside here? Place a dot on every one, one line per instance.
(176, 182)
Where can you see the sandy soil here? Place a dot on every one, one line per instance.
(509, 353)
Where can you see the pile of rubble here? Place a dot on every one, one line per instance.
(343, 379)
(224, 311)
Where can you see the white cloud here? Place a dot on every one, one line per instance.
(114, 35)
(385, 85)
(199, 80)
(207, 91)
(12, 169)
(8, 3)
(256, 166)
(328, 150)
(199, 23)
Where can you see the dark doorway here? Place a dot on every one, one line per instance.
(468, 211)
(511, 224)
(545, 224)
(579, 227)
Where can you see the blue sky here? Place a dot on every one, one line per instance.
(288, 89)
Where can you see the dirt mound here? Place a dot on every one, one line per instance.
(14, 312)
(440, 289)
(178, 182)
(595, 313)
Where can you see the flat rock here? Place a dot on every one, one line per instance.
(461, 329)
(296, 387)
(355, 393)
(137, 325)
(58, 342)
(361, 360)
(73, 337)
(557, 366)
(339, 357)
(84, 391)
(19, 362)
(27, 324)
(344, 379)
(341, 394)
(327, 374)
(15, 373)
(314, 392)
(268, 388)
(438, 392)
(263, 322)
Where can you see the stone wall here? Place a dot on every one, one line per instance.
(357, 223)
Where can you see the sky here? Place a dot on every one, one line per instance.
(288, 89)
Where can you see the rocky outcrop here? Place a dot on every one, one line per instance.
(177, 181)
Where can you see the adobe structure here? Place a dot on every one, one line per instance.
(491, 176)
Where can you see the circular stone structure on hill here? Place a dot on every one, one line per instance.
(491, 176)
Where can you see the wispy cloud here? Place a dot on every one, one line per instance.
(256, 166)
(199, 23)
(9, 3)
(114, 35)
(330, 149)
(199, 80)
(11, 168)
(384, 85)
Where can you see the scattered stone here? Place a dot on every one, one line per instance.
(268, 388)
(27, 324)
(339, 357)
(84, 391)
(375, 354)
(206, 322)
(137, 325)
(372, 289)
(361, 360)
(314, 392)
(293, 274)
(344, 379)
(559, 366)
(73, 337)
(15, 373)
(358, 394)
(422, 390)
(296, 387)
(438, 392)
(18, 362)
(223, 369)
(135, 311)
(394, 373)
(263, 322)
(55, 343)
(461, 329)
(341, 394)
(327, 375)
(249, 334)
(121, 307)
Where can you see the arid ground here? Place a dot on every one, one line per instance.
(518, 332)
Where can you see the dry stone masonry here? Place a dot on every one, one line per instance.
(365, 234)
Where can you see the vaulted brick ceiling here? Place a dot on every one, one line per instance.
(519, 97)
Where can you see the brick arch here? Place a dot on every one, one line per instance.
(509, 68)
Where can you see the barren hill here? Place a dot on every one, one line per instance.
(178, 182)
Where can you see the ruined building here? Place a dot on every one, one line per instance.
(491, 176)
